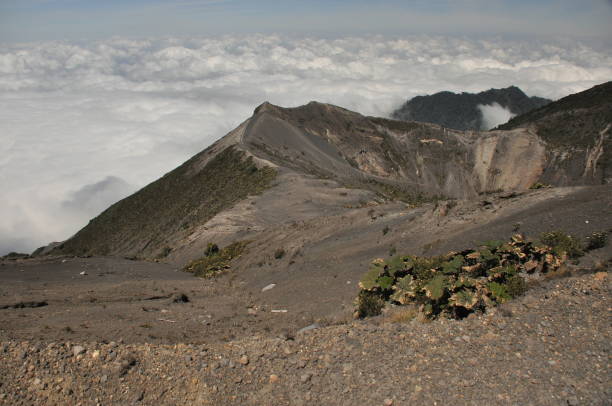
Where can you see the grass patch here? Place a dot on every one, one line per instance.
(561, 242)
(140, 224)
(216, 261)
(404, 315)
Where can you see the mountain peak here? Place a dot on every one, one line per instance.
(271, 166)
(265, 106)
(461, 111)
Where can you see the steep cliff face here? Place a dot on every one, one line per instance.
(577, 134)
(409, 159)
(461, 111)
(286, 165)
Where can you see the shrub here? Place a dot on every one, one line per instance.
(279, 253)
(215, 261)
(458, 283)
(369, 304)
(539, 185)
(596, 240)
(211, 250)
(562, 243)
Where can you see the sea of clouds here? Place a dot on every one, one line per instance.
(83, 124)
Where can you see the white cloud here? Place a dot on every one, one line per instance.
(494, 115)
(73, 114)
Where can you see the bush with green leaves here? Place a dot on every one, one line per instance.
(458, 283)
(215, 260)
(561, 242)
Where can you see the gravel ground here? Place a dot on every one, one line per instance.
(550, 347)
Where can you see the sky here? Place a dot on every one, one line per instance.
(27, 20)
(99, 98)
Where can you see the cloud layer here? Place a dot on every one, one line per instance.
(493, 115)
(92, 122)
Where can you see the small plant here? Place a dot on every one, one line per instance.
(369, 304)
(562, 243)
(392, 251)
(279, 253)
(539, 185)
(216, 260)
(458, 283)
(596, 240)
(211, 250)
(385, 230)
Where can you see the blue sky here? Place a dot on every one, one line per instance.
(31, 20)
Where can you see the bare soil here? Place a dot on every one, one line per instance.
(164, 336)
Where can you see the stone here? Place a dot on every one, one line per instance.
(600, 276)
(308, 328)
(244, 360)
(274, 378)
(388, 402)
(305, 377)
(268, 287)
(140, 396)
(95, 354)
(78, 350)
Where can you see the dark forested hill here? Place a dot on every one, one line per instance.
(461, 112)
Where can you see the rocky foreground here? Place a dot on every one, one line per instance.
(550, 347)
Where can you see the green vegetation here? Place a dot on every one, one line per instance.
(562, 243)
(211, 249)
(573, 121)
(279, 253)
(596, 240)
(189, 195)
(460, 283)
(15, 255)
(369, 304)
(215, 261)
(539, 185)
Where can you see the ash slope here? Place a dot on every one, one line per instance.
(286, 165)
(460, 111)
